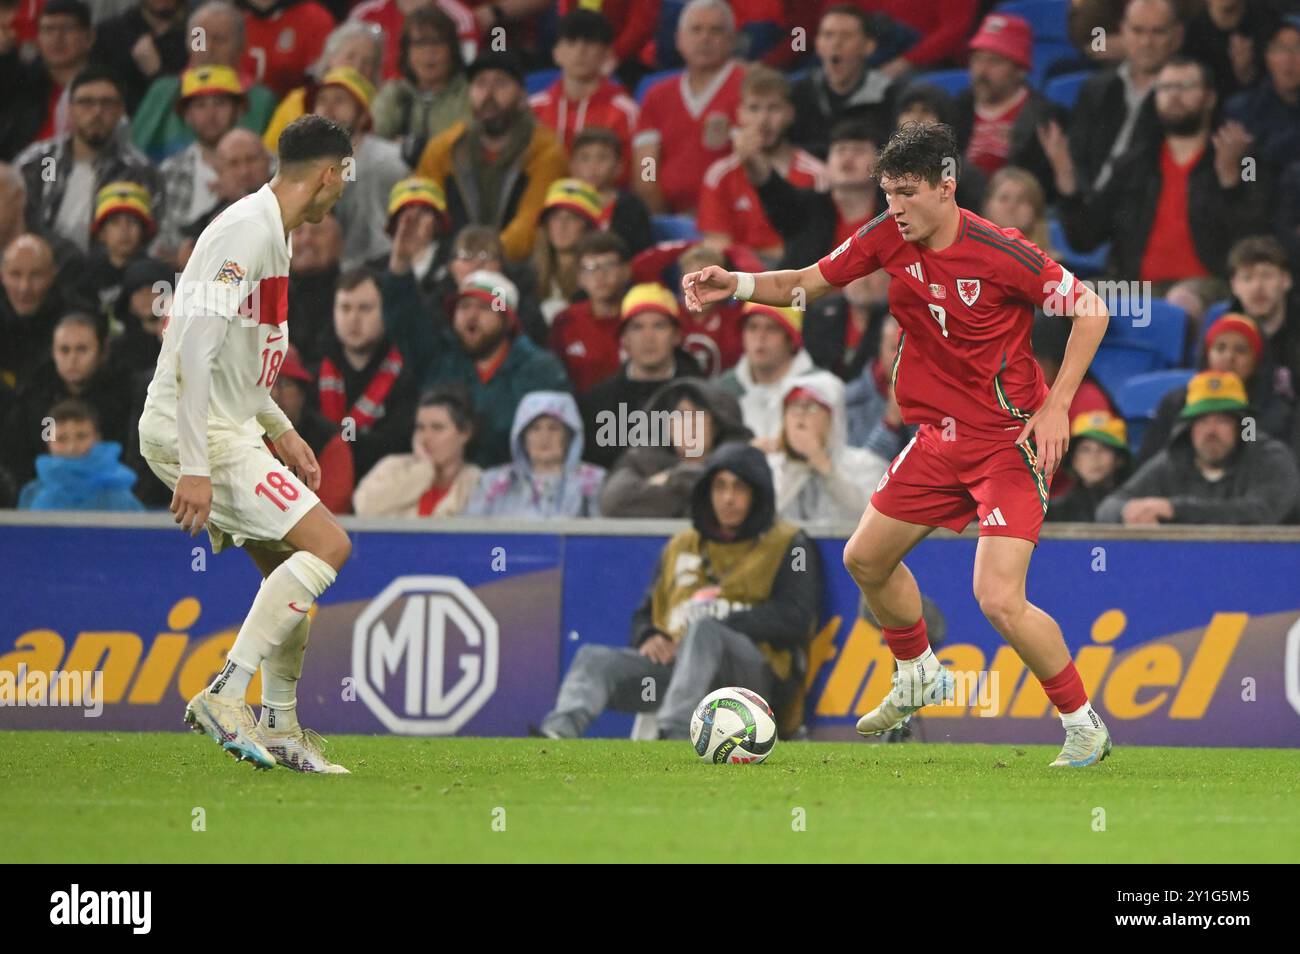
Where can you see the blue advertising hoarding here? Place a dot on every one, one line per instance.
(1179, 642)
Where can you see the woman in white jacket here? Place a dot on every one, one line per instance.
(819, 478)
(432, 481)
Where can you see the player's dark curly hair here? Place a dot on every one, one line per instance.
(314, 137)
(927, 150)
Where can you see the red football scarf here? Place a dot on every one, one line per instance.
(333, 395)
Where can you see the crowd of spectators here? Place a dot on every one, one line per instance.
(490, 321)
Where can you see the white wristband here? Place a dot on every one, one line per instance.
(744, 285)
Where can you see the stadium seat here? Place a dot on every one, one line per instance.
(1064, 90)
(1083, 264)
(1139, 396)
(1049, 19)
(953, 82)
(538, 80)
(649, 80)
(671, 228)
(1164, 329)
(1117, 361)
(1052, 57)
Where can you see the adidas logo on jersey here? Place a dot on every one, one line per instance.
(915, 271)
(994, 519)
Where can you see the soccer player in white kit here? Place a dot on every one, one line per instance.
(201, 432)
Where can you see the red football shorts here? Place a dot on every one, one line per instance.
(939, 483)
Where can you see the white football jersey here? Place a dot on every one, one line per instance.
(239, 275)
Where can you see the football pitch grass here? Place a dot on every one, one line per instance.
(137, 797)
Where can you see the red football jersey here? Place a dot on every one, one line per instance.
(692, 132)
(610, 106)
(285, 43)
(965, 315)
(590, 347)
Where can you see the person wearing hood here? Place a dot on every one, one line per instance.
(650, 333)
(734, 602)
(1099, 461)
(80, 472)
(818, 476)
(774, 353)
(547, 477)
(1209, 472)
(435, 479)
(656, 480)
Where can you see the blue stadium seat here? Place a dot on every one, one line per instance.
(538, 80)
(1117, 361)
(1139, 396)
(1083, 264)
(672, 228)
(1049, 19)
(649, 80)
(1064, 90)
(1052, 57)
(1163, 328)
(953, 82)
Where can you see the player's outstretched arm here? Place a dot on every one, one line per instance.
(784, 288)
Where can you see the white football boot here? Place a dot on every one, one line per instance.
(299, 749)
(230, 723)
(1084, 745)
(912, 689)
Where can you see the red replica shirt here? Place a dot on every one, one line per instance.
(730, 206)
(610, 106)
(693, 132)
(1170, 254)
(588, 346)
(965, 314)
(385, 15)
(714, 336)
(990, 137)
(284, 44)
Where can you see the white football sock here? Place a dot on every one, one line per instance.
(279, 719)
(919, 669)
(281, 671)
(1082, 716)
(232, 681)
(281, 604)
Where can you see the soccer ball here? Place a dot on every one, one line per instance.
(733, 725)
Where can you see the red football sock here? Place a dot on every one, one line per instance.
(909, 642)
(1065, 689)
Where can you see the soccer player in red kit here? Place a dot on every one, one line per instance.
(990, 433)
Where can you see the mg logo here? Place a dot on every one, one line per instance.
(425, 655)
